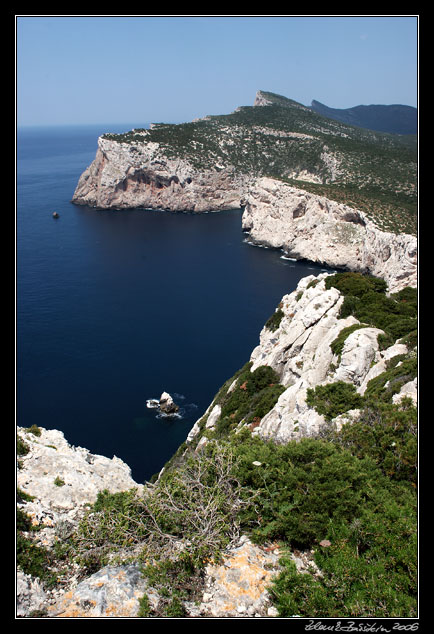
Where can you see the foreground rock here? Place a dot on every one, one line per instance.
(62, 481)
(114, 591)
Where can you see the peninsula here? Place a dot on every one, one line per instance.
(295, 492)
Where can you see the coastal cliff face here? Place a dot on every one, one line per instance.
(126, 175)
(315, 228)
(302, 224)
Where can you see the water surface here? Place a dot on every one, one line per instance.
(115, 307)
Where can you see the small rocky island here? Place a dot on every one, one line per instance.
(165, 404)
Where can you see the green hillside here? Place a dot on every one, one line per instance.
(373, 171)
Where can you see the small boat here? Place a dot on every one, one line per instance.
(152, 403)
(55, 214)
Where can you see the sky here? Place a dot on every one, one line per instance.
(118, 69)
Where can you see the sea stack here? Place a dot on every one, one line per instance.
(167, 405)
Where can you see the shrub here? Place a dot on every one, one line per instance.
(273, 322)
(338, 344)
(191, 509)
(32, 559)
(253, 396)
(365, 299)
(369, 569)
(300, 487)
(333, 399)
(387, 433)
(388, 383)
(22, 447)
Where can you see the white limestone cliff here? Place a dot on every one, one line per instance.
(312, 227)
(300, 352)
(126, 175)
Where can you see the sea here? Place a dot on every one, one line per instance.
(115, 307)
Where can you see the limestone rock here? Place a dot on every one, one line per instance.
(63, 480)
(238, 586)
(31, 596)
(114, 591)
(127, 175)
(315, 228)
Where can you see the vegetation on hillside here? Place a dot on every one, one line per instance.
(349, 496)
(373, 171)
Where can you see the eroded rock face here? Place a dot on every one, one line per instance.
(125, 175)
(315, 228)
(300, 352)
(63, 480)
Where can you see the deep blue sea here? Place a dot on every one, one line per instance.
(115, 307)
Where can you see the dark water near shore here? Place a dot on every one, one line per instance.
(115, 307)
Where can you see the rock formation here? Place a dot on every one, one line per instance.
(315, 228)
(220, 163)
(300, 351)
(167, 405)
(125, 175)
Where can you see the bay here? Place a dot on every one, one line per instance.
(115, 307)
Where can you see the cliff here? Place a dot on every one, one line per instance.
(125, 175)
(318, 229)
(100, 529)
(317, 189)
(299, 348)
(208, 164)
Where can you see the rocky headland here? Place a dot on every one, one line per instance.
(266, 159)
(318, 338)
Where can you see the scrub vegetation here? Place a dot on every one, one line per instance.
(371, 171)
(348, 496)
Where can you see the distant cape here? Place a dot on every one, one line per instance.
(396, 119)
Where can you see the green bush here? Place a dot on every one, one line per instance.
(338, 344)
(366, 300)
(387, 433)
(314, 490)
(388, 383)
(333, 399)
(33, 559)
(254, 394)
(368, 570)
(273, 322)
(300, 487)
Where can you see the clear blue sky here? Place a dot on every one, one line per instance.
(118, 69)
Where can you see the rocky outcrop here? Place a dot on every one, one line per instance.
(303, 225)
(167, 404)
(125, 175)
(311, 227)
(63, 480)
(300, 352)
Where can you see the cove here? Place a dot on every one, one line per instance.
(115, 307)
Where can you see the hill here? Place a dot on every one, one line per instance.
(395, 119)
(276, 137)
